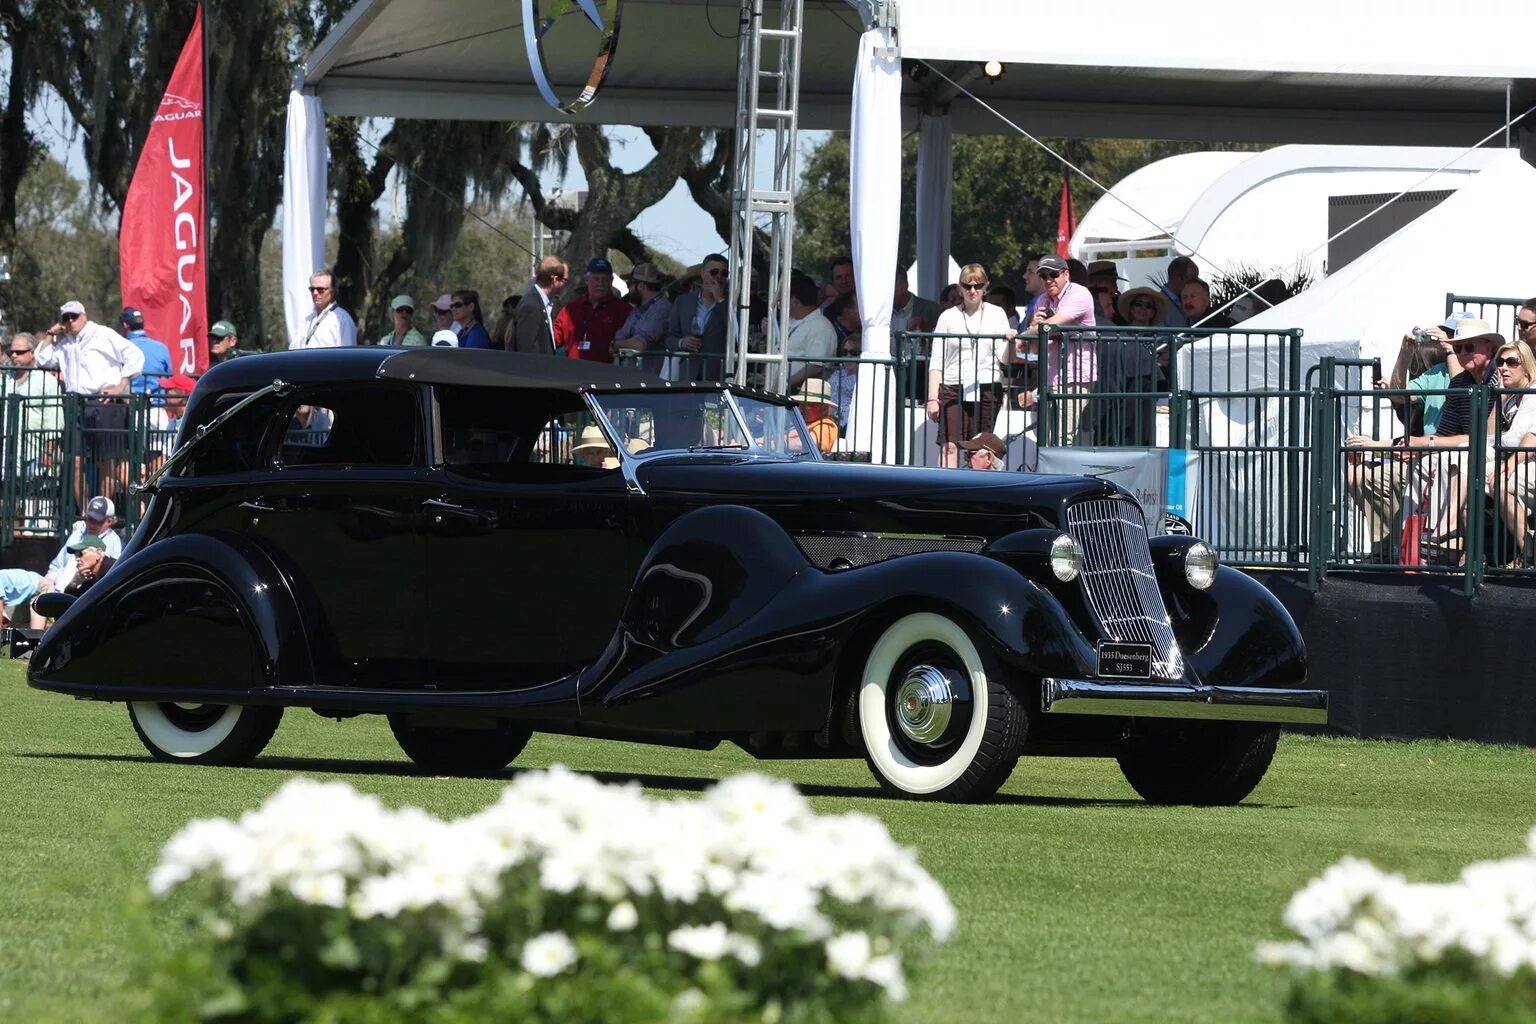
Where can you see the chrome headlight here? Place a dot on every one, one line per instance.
(1066, 558)
(1200, 564)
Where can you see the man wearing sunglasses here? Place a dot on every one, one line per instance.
(97, 362)
(1525, 318)
(1071, 362)
(42, 421)
(699, 322)
(328, 325)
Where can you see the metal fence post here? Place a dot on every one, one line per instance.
(1293, 444)
(1477, 441)
(1046, 401)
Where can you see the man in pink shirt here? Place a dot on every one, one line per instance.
(1064, 303)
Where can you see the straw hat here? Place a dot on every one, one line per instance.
(1126, 298)
(814, 389)
(592, 439)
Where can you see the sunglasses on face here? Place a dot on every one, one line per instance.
(1526, 325)
(457, 305)
(1510, 361)
(1466, 347)
(717, 272)
(19, 351)
(1143, 304)
(972, 286)
(67, 318)
(317, 288)
(1049, 275)
(407, 310)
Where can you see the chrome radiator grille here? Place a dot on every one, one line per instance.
(1120, 582)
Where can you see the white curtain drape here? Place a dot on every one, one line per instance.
(875, 220)
(935, 174)
(304, 170)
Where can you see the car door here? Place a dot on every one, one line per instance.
(533, 544)
(339, 507)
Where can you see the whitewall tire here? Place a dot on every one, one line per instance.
(934, 724)
(225, 734)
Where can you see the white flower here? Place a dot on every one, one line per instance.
(547, 954)
(702, 942)
(623, 917)
(885, 971)
(848, 954)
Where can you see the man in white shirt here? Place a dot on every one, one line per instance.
(329, 326)
(811, 336)
(97, 362)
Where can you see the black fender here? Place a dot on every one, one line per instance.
(730, 627)
(202, 612)
(1235, 633)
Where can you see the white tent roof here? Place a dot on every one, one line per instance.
(1305, 76)
(1474, 243)
(1265, 209)
(1163, 191)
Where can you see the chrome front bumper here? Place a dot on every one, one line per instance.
(1180, 700)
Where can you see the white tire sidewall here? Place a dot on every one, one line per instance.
(174, 741)
(874, 699)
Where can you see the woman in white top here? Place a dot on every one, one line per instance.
(972, 343)
(1512, 423)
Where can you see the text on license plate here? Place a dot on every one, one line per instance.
(1124, 661)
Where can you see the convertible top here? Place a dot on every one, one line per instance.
(491, 368)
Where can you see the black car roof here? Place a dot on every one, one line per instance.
(466, 366)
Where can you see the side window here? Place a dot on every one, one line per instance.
(236, 447)
(370, 425)
(527, 434)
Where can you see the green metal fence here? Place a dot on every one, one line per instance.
(1500, 312)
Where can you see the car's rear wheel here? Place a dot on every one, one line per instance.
(935, 725)
(444, 750)
(1200, 763)
(224, 734)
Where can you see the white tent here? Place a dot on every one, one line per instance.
(1474, 243)
(1262, 210)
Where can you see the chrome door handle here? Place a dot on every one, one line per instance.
(255, 506)
(442, 504)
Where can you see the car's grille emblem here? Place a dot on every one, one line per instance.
(1119, 579)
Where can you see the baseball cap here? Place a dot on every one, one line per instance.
(87, 541)
(445, 339)
(1055, 263)
(402, 302)
(131, 315)
(1450, 322)
(988, 440)
(224, 329)
(181, 382)
(645, 272)
(598, 265)
(72, 306)
(99, 508)
(443, 303)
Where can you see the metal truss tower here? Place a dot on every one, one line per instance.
(763, 197)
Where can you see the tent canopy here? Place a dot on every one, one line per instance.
(1305, 77)
(1474, 243)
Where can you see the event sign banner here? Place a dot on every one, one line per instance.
(1163, 481)
(163, 245)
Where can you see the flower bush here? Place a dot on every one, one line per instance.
(567, 900)
(1375, 947)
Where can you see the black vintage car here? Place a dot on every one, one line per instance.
(481, 545)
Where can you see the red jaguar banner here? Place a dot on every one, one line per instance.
(1066, 219)
(163, 245)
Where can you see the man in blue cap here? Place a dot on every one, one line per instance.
(157, 358)
(585, 328)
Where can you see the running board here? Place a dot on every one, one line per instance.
(1163, 700)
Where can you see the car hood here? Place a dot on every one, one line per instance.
(823, 496)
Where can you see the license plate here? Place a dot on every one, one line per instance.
(1125, 661)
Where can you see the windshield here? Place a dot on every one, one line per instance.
(703, 421)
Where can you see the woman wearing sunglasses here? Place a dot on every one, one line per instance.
(466, 313)
(1512, 423)
(972, 342)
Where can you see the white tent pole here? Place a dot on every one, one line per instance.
(304, 179)
(935, 174)
(875, 219)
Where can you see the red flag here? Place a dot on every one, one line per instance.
(1066, 221)
(163, 244)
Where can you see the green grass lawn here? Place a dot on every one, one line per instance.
(1077, 901)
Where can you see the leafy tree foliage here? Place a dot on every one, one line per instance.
(61, 241)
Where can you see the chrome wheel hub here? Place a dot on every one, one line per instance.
(925, 702)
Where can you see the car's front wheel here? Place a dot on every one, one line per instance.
(223, 734)
(934, 724)
(1200, 763)
(444, 750)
